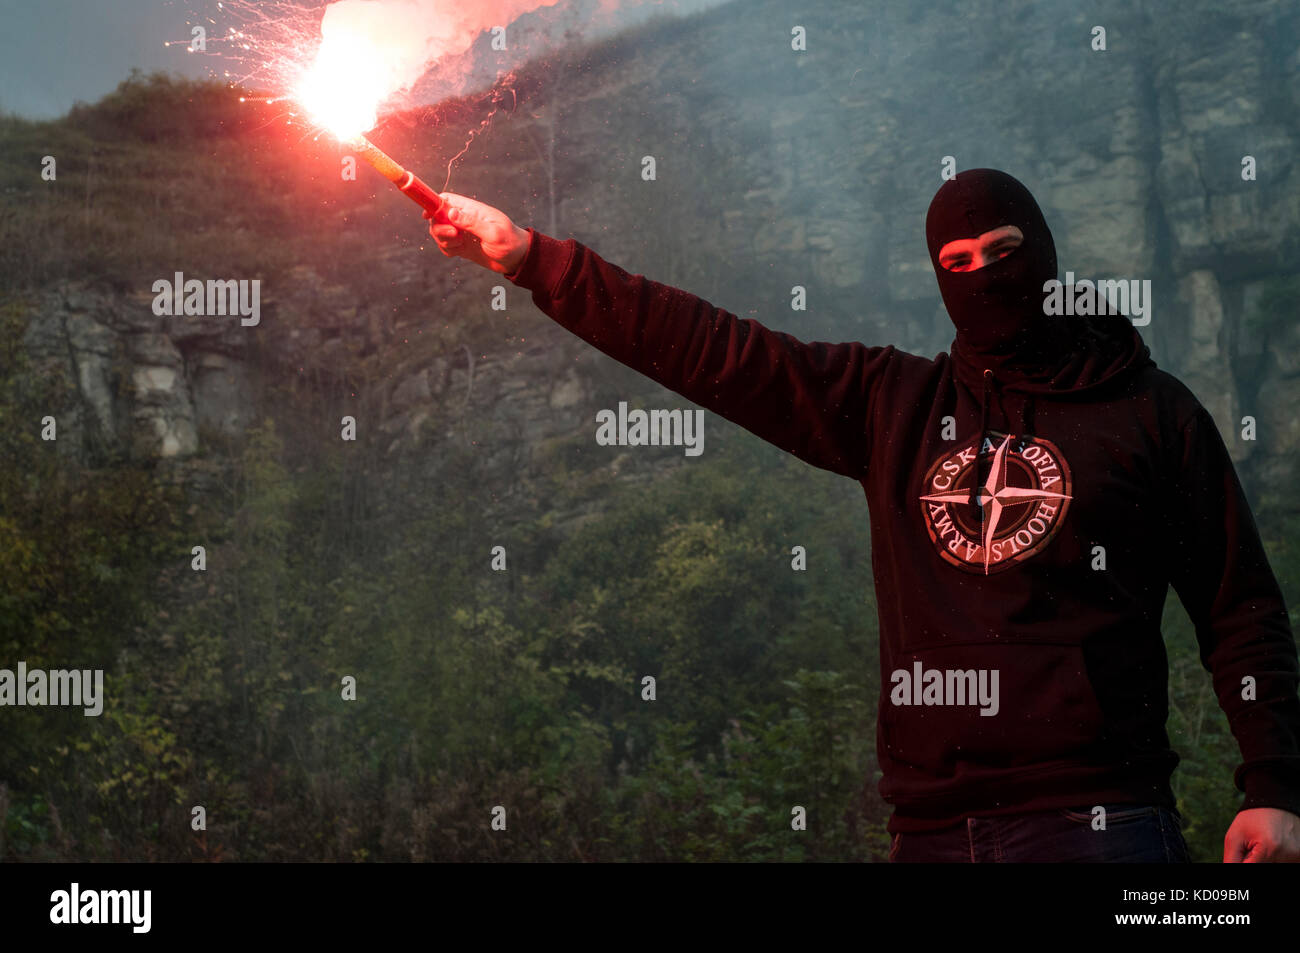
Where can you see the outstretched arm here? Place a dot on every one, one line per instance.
(814, 400)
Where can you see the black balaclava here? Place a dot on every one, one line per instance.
(997, 309)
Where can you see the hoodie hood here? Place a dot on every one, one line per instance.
(1004, 340)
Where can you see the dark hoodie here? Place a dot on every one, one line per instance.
(1103, 481)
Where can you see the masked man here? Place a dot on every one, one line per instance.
(1032, 496)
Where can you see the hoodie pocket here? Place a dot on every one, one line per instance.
(978, 709)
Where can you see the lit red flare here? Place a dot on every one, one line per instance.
(342, 91)
(406, 181)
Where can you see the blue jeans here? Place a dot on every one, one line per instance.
(1134, 834)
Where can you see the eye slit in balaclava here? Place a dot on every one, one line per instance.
(993, 308)
(973, 254)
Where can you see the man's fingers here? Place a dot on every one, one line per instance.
(447, 243)
(1257, 854)
(1233, 847)
(473, 227)
(465, 218)
(454, 243)
(469, 214)
(1239, 847)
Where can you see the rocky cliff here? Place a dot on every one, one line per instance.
(775, 168)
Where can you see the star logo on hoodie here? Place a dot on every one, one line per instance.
(1024, 494)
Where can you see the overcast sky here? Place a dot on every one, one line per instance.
(55, 52)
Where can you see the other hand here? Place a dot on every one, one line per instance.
(1263, 835)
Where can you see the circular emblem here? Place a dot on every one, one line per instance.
(1025, 494)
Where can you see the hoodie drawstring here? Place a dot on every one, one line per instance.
(979, 447)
